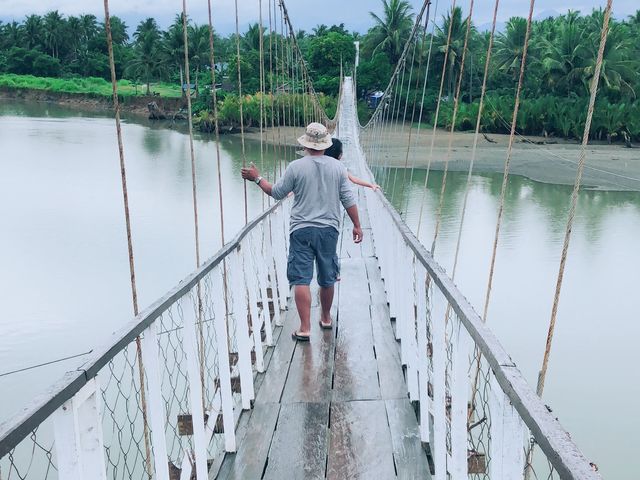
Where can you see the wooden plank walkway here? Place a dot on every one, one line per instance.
(337, 407)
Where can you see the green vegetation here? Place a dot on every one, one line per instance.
(560, 66)
(84, 85)
(69, 54)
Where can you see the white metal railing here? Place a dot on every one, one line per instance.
(476, 411)
(198, 348)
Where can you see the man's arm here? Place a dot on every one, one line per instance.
(352, 211)
(283, 187)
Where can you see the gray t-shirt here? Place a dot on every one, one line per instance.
(319, 184)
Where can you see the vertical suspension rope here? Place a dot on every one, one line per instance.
(505, 177)
(194, 191)
(476, 136)
(574, 196)
(424, 92)
(262, 93)
(456, 105)
(241, 102)
(216, 124)
(127, 216)
(435, 121)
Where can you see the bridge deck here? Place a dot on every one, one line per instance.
(336, 407)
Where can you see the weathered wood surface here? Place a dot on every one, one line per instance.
(251, 457)
(299, 445)
(360, 441)
(410, 459)
(335, 407)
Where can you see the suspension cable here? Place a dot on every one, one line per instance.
(456, 105)
(435, 120)
(505, 177)
(574, 196)
(125, 197)
(241, 102)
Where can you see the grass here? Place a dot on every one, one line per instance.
(88, 85)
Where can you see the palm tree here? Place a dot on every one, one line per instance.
(251, 39)
(33, 31)
(510, 46)
(199, 49)
(391, 33)
(563, 55)
(54, 32)
(146, 63)
(173, 47)
(456, 46)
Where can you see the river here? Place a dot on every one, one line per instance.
(65, 276)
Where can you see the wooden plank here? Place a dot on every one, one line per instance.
(311, 370)
(360, 439)
(390, 373)
(410, 458)
(300, 443)
(356, 372)
(376, 284)
(251, 458)
(276, 375)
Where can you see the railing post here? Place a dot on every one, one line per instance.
(78, 436)
(280, 256)
(242, 329)
(252, 287)
(224, 370)
(271, 270)
(459, 403)
(262, 282)
(410, 325)
(191, 316)
(155, 406)
(439, 395)
(423, 359)
(507, 436)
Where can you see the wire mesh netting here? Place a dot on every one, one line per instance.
(32, 458)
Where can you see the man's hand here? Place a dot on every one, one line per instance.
(357, 234)
(250, 173)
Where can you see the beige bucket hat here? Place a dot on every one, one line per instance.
(316, 137)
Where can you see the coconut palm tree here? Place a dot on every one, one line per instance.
(563, 55)
(54, 26)
(454, 19)
(510, 46)
(173, 48)
(32, 28)
(198, 49)
(391, 32)
(146, 63)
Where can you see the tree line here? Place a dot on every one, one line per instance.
(560, 64)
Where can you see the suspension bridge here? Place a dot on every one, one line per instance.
(206, 382)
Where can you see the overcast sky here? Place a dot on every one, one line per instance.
(305, 14)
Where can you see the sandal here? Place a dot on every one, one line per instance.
(302, 338)
(325, 326)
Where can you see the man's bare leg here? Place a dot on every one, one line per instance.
(302, 294)
(326, 300)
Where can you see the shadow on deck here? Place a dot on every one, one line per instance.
(336, 407)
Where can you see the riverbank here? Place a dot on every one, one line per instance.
(91, 101)
(609, 167)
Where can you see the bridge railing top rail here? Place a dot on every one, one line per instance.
(20, 426)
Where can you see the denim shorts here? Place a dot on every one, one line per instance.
(309, 245)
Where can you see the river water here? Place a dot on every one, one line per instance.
(64, 279)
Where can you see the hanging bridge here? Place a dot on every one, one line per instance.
(206, 382)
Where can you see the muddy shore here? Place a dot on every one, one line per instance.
(608, 167)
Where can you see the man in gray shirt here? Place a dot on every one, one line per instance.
(320, 185)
